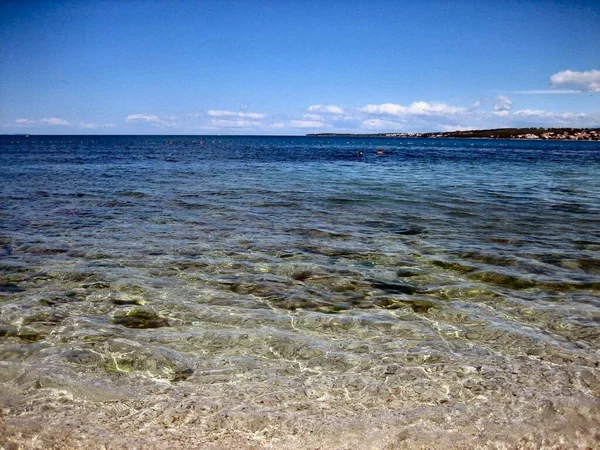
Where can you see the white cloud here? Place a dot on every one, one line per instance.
(24, 121)
(455, 128)
(378, 124)
(306, 124)
(330, 109)
(588, 81)
(54, 121)
(243, 115)
(149, 119)
(414, 109)
(217, 113)
(144, 118)
(502, 103)
(252, 115)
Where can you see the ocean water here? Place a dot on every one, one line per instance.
(273, 291)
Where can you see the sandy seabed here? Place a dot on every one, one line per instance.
(40, 412)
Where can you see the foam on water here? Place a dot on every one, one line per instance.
(272, 292)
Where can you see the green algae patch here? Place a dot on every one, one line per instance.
(140, 318)
(131, 289)
(453, 266)
(504, 280)
(418, 306)
(459, 292)
(26, 334)
(8, 332)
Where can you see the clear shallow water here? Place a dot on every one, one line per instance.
(252, 282)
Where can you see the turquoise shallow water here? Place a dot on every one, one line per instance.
(274, 278)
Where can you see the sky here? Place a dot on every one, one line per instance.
(292, 67)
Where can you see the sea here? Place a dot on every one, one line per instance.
(291, 292)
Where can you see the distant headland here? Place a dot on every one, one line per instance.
(555, 134)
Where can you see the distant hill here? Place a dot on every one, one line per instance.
(571, 134)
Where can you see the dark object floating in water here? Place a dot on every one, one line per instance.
(139, 318)
(394, 288)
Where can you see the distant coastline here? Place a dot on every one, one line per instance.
(552, 134)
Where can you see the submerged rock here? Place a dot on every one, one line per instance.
(139, 318)
(404, 273)
(395, 288)
(332, 309)
(128, 301)
(409, 230)
(182, 375)
(45, 318)
(62, 299)
(10, 287)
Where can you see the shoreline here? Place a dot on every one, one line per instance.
(542, 134)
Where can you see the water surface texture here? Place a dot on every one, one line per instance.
(284, 292)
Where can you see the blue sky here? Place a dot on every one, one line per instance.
(295, 67)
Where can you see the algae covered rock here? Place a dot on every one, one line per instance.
(25, 333)
(140, 318)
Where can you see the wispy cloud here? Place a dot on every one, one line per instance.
(414, 109)
(55, 121)
(313, 117)
(94, 126)
(455, 128)
(328, 109)
(306, 124)
(548, 91)
(235, 123)
(380, 124)
(588, 81)
(242, 115)
(547, 114)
